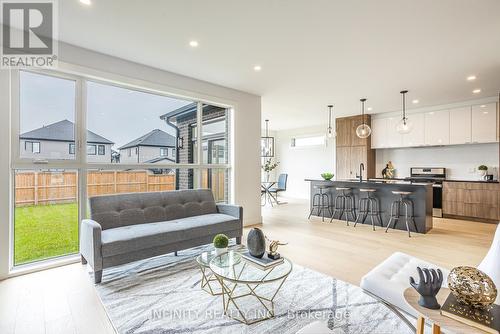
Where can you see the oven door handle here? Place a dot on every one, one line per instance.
(437, 186)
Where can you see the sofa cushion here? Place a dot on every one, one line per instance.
(122, 240)
(142, 208)
(389, 279)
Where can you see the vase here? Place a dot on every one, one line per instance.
(267, 177)
(256, 242)
(219, 251)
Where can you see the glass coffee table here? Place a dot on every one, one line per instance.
(244, 284)
(209, 283)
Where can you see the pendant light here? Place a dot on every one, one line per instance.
(267, 144)
(404, 126)
(330, 132)
(363, 130)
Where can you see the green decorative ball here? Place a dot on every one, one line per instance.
(221, 241)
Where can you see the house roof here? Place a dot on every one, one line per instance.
(62, 131)
(155, 160)
(186, 111)
(157, 138)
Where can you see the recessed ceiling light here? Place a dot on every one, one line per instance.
(193, 44)
(369, 108)
(483, 106)
(86, 2)
(471, 78)
(476, 91)
(257, 68)
(415, 101)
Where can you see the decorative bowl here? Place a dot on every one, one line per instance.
(327, 176)
(472, 287)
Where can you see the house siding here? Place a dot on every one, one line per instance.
(50, 149)
(146, 153)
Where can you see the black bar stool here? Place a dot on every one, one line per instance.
(344, 202)
(404, 201)
(321, 202)
(368, 206)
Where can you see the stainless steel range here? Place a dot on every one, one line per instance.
(433, 175)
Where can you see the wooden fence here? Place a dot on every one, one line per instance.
(38, 188)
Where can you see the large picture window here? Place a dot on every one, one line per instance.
(134, 141)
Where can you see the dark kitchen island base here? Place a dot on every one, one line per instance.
(421, 197)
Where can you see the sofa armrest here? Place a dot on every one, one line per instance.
(90, 243)
(232, 210)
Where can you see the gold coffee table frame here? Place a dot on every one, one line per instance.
(229, 283)
(207, 276)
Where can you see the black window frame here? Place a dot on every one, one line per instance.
(33, 146)
(165, 149)
(99, 149)
(95, 149)
(72, 148)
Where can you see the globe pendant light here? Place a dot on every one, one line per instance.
(330, 132)
(363, 130)
(404, 126)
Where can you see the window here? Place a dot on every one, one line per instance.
(91, 149)
(32, 146)
(308, 141)
(49, 203)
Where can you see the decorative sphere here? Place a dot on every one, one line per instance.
(472, 287)
(404, 126)
(363, 131)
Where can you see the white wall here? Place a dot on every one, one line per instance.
(303, 162)
(459, 160)
(246, 125)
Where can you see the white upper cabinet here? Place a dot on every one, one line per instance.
(416, 137)
(379, 132)
(460, 126)
(484, 123)
(394, 138)
(437, 127)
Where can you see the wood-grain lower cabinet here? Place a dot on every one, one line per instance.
(471, 200)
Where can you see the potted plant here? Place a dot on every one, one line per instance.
(483, 170)
(269, 166)
(220, 243)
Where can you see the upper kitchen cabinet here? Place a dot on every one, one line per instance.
(484, 123)
(394, 138)
(355, 122)
(343, 129)
(437, 127)
(379, 133)
(416, 137)
(460, 126)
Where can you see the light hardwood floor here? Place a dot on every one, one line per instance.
(63, 300)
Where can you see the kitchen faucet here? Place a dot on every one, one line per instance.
(361, 169)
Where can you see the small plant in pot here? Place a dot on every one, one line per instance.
(483, 170)
(221, 241)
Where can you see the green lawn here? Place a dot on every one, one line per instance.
(45, 231)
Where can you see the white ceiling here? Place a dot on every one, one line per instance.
(312, 52)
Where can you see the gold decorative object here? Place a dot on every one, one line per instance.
(273, 247)
(472, 287)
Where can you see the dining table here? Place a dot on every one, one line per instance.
(266, 193)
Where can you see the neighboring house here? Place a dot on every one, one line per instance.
(214, 144)
(153, 147)
(57, 141)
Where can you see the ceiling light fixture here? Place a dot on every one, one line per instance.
(483, 105)
(193, 44)
(86, 2)
(257, 68)
(415, 101)
(471, 78)
(363, 130)
(267, 143)
(476, 91)
(329, 130)
(369, 108)
(404, 126)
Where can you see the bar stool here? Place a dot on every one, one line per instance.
(396, 210)
(368, 206)
(344, 202)
(321, 202)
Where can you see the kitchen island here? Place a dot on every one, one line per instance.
(421, 197)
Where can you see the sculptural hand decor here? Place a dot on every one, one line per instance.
(428, 287)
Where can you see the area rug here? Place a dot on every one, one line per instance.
(163, 295)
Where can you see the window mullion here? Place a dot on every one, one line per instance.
(199, 147)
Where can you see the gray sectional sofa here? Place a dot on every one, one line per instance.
(130, 227)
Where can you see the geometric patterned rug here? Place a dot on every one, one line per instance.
(163, 295)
